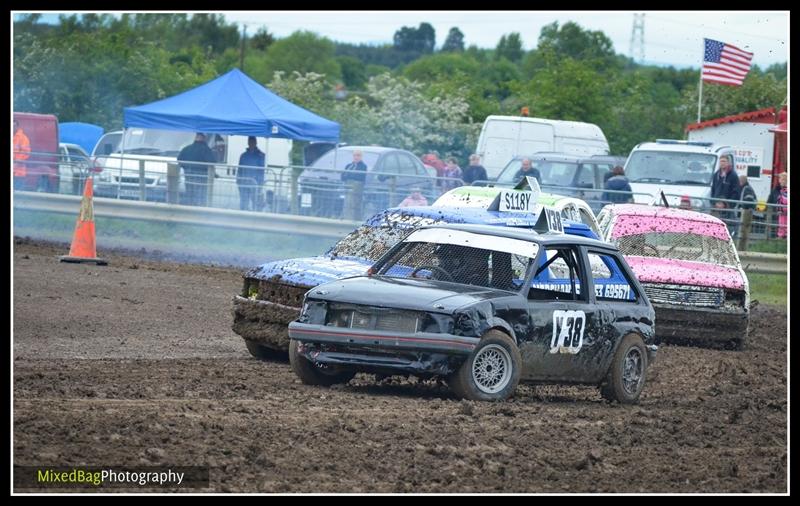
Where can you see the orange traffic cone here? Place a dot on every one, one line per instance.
(83, 247)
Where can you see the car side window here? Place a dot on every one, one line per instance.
(586, 218)
(558, 278)
(609, 279)
(407, 166)
(602, 170)
(586, 176)
(391, 165)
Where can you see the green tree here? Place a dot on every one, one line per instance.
(261, 40)
(414, 42)
(78, 76)
(354, 72)
(757, 92)
(454, 41)
(304, 52)
(510, 48)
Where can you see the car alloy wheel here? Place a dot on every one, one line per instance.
(632, 371)
(492, 369)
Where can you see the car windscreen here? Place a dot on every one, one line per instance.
(462, 257)
(146, 141)
(670, 167)
(371, 242)
(678, 246)
(554, 173)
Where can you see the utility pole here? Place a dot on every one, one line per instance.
(241, 53)
(637, 38)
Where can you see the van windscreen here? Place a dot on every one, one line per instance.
(670, 167)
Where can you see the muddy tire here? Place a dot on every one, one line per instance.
(311, 374)
(626, 376)
(491, 372)
(262, 352)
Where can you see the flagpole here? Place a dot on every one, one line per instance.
(700, 97)
(700, 86)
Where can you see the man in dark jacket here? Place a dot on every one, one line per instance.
(475, 171)
(249, 178)
(196, 174)
(527, 169)
(617, 182)
(748, 197)
(725, 185)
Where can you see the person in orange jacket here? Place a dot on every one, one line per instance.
(22, 150)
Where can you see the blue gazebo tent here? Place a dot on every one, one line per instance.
(232, 104)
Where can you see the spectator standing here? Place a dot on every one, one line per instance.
(618, 182)
(354, 176)
(452, 171)
(725, 185)
(22, 151)
(527, 169)
(474, 171)
(249, 178)
(434, 161)
(781, 198)
(357, 169)
(747, 196)
(196, 174)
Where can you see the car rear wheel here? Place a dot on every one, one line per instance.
(312, 374)
(491, 372)
(626, 376)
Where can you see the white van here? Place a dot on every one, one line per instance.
(504, 137)
(679, 168)
(119, 155)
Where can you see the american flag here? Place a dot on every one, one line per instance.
(724, 63)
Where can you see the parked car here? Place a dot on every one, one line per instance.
(564, 173)
(74, 166)
(273, 292)
(689, 268)
(571, 208)
(484, 308)
(392, 174)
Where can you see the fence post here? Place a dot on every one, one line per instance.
(142, 182)
(212, 172)
(769, 229)
(173, 182)
(744, 231)
(392, 191)
(293, 204)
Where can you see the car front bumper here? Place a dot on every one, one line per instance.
(692, 323)
(263, 322)
(377, 351)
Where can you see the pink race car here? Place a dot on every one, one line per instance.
(689, 268)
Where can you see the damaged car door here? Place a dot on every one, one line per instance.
(564, 341)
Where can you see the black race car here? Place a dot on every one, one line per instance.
(484, 307)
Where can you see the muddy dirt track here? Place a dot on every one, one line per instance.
(135, 364)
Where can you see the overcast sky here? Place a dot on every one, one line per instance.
(670, 37)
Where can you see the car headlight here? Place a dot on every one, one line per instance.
(104, 176)
(697, 203)
(734, 299)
